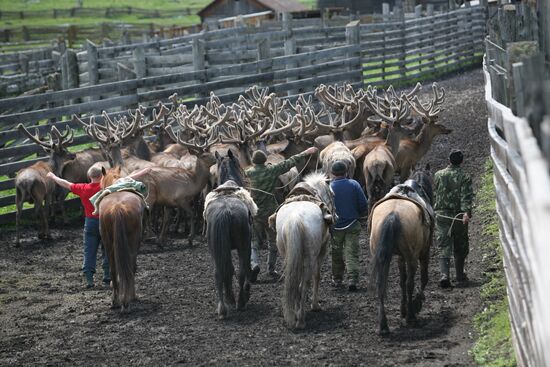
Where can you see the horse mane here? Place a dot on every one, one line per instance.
(230, 169)
(424, 179)
(314, 178)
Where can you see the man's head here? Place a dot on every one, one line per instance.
(339, 168)
(259, 157)
(94, 173)
(456, 157)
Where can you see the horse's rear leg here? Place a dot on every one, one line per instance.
(244, 277)
(316, 277)
(228, 285)
(301, 312)
(411, 314)
(19, 205)
(403, 284)
(222, 310)
(115, 301)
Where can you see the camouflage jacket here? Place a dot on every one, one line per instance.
(453, 191)
(264, 177)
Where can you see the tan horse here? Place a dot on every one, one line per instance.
(398, 226)
(121, 224)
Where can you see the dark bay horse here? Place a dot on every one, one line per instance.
(228, 216)
(120, 222)
(399, 226)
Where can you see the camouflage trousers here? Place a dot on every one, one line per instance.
(260, 235)
(452, 241)
(345, 247)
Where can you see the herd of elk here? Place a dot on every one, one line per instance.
(377, 136)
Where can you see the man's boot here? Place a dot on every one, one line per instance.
(459, 267)
(444, 265)
(271, 262)
(106, 274)
(89, 279)
(254, 264)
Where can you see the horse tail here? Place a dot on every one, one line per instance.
(292, 236)
(219, 240)
(391, 230)
(378, 188)
(121, 255)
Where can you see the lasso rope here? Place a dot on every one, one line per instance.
(299, 174)
(454, 219)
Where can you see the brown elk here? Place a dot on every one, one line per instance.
(351, 114)
(412, 150)
(379, 164)
(31, 183)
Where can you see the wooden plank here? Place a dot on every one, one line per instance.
(7, 168)
(28, 212)
(27, 149)
(7, 184)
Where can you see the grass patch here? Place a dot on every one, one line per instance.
(494, 343)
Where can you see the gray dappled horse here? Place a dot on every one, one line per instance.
(302, 237)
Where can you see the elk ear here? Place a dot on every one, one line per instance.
(103, 172)
(217, 155)
(230, 153)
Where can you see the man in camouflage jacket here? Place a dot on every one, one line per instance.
(453, 199)
(263, 179)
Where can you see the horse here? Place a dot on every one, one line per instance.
(121, 225)
(302, 236)
(228, 215)
(400, 226)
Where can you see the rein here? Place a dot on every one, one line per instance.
(295, 178)
(454, 219)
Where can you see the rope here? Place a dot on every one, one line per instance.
(454, 219)
(299, 174)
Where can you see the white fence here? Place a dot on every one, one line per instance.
(522, 184)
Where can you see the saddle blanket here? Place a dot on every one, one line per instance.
(122, 184)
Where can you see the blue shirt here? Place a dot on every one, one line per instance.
(350, 201)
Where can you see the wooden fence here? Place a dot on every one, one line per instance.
(295, 66)
(517, 91)
(522, 184)
(109, 12)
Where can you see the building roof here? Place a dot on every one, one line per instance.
(278, 6)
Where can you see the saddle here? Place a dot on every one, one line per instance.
(230, 188)
(304, 192)
(122, 184)
(410, 190)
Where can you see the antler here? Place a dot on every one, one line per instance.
(195, 145)
(36, 137)
(397, 110)
(431, 109)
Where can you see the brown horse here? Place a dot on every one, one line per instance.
(399, 226)
(121, 223)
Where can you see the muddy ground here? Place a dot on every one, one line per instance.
(48, 318)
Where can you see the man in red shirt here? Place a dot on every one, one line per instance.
(92, 237)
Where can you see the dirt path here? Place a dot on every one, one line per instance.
(47, 318)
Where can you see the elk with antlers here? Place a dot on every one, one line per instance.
(31, 183)
(412, 150)
(379, 164)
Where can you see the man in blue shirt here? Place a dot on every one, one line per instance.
(351, 203)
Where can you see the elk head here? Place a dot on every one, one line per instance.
(429, 112)
(55, 145)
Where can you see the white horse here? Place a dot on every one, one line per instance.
(302, 224)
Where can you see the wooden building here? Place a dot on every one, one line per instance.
(219, 9)
(354, 6)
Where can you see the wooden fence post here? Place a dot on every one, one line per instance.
(140, 67)
(353, 38)
(125, 73)
(199, 60)
(24, 63)
(264, 48)
(71, 35)
(385, 12)
(418, 11)
(290, 47)
(93, 68)
(430, 10)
